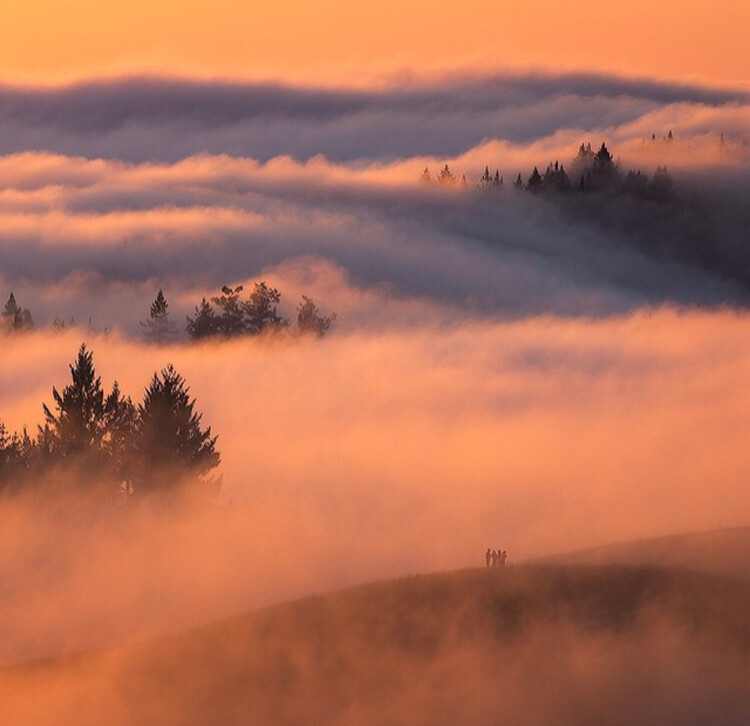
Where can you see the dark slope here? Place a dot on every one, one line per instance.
(717, 552)
(528, 645)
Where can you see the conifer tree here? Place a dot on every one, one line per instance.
(74, 433)
(309, 319)
(260, 310)
(446, 176)
(205, 323)
(231, 321)
(535, 180)
(172, 447)
(16, 318)
(159, 328)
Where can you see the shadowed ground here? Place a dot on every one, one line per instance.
(527, 645)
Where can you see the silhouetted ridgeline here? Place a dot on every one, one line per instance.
(107, 447)
(703, 228)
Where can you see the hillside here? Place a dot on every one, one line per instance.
(716, 552)
(528, 645)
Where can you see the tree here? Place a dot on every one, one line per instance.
(446, 176)
(426, 177)
(485, 181)
(231, 322)
(585, 154)
(78, 425)
(120, 427)
(159, 328)
(16, 318)
(260, 310)
(205, 323)
(310, 321)
(535, 180)
(518, 183)
(10, 458)
(172, 447)
(661, 187)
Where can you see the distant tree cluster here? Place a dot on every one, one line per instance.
(111, 447)
(257, 314)
(224, 315)
(445, 177)
(590, 171)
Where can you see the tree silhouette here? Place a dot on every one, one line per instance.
(231, 321)
(16, 318)
(535, 180)
(661, 187)
(159, 328)
(310, 321)
(77, 426)
(120, 433)
(205, 323)
(260, 310)
(446, 176)
(172, 447)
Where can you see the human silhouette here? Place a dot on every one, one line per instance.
(488, 557)
(494, 559)
(503, 556)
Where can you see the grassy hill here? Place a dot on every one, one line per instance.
(718, 552)
(528, 645)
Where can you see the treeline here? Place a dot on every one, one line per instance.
(104, 445)
(589, 172)
(226, 315)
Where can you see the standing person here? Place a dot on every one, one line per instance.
(494, 559)
(503, 557)
(487, 558)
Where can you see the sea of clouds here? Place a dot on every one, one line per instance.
(506, 369)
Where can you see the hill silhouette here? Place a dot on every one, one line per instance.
(717, 552)
(528, 645)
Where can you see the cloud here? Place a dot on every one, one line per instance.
(152, 118)
(385, 452)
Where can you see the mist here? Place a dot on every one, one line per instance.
(536, 372)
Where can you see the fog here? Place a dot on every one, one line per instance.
(532, 372)
(369, 454)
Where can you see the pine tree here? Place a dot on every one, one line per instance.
(172, 447)
(446, 176)
(16, 318)
(159, 328)
(205, 323)
(309, 319)
(535, 180)
(260, 310)
(74, 433)
(231, 321)
(120, 423)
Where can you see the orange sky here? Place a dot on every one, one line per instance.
(327, 41)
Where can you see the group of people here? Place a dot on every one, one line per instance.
(495, 558)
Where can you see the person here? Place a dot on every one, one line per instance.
(487, 558)
(503, 557)
(494, 559)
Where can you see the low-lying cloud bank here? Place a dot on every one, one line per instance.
(368, 455)
(140, 119)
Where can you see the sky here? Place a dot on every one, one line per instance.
(360, 42)
(537, 372)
